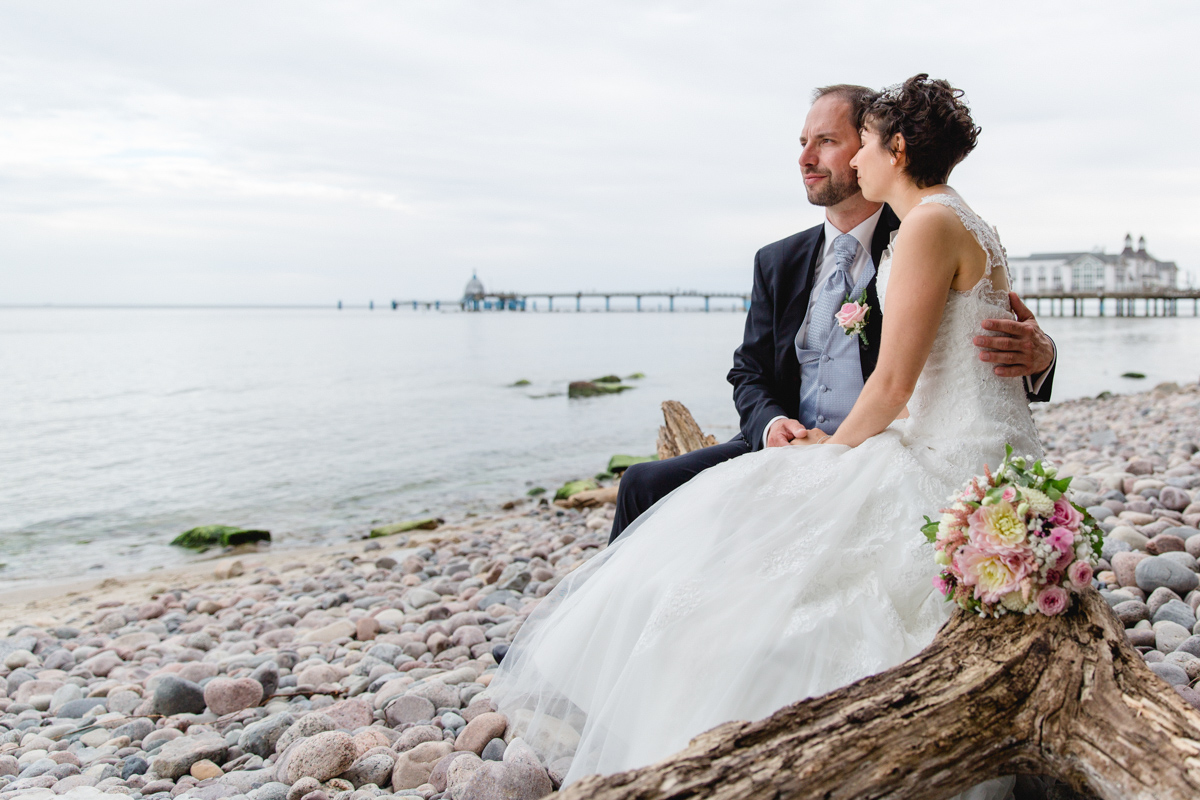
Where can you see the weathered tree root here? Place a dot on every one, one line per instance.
(679, 432)
(1065, 696)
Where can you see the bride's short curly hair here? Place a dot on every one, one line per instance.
(933, 119)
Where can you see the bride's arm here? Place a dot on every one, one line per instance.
(924, 263)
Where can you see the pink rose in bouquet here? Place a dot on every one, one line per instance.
(1080, 574)
(1065, 514)
(1053, 600)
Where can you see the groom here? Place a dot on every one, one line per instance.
(796, 368)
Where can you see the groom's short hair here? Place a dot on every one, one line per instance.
(859, 98)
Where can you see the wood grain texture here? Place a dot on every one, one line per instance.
(1065, 697)
(679, 433)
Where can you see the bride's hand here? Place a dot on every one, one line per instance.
(815, 436)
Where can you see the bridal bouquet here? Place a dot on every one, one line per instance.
(1013, 542)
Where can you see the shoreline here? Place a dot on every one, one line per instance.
(358, 670)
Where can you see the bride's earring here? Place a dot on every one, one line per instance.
(893, 161)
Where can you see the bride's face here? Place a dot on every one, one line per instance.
(875, 165)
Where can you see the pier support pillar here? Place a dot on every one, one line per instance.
(671, 306)
(607, 303)
(706, 299)
(578, 302)
(639, 302)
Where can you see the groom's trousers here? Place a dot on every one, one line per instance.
(645, 484)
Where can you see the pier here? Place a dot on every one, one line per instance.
(1152, 303)
(1148, 301)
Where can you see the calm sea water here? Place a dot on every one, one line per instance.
(121, 427)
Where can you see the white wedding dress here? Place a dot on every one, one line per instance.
(776, 576)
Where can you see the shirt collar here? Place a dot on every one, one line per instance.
(864, 232)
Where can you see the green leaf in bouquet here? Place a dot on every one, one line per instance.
(930, 529)
(1038, 469)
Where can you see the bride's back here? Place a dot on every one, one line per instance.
(960, 407)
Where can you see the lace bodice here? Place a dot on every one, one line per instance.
(960, 407)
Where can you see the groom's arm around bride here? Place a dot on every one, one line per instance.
(778, 398)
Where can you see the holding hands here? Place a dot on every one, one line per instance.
(785, 432)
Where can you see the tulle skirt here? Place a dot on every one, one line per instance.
(780, 575)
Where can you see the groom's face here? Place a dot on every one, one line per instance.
(829, 140)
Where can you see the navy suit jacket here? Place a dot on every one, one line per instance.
(766, 372)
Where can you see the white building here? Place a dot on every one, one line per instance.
(1127, 271)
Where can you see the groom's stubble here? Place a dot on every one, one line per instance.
(834, 190)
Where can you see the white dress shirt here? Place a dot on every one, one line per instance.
(864, 232)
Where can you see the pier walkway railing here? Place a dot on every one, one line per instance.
(525, 301)
(1154, 303)
(1150, 303)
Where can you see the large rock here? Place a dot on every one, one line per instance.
(1166, 543)
(438, 693)
(342, 629)
(376, 768)
(229, 695)
(1131, 612)
(1171, 673)
(1156, 571)
(408, 709)
(1174, 498)
(1178, 612)
(504, 780)
(351, 714)
(1124, 533)
(418, 734)
(414, 767)
(1125, 566)
(261, 737)
(323, 756)
(481, 730)
(1168, 636)
(177, 756)
(267, 675)
(309, 725)
(75, 709)
(178, 696)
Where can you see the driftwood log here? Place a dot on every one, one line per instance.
(1066, 697)
(679, 433)
(589, 498)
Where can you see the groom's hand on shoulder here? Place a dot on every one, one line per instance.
(1017, 348)
(783, 431)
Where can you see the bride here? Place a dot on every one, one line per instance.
(789, 572)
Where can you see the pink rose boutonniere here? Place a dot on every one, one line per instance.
(853, 316)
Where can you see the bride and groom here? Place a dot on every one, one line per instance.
(772, 573)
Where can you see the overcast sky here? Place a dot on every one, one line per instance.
(302, 152)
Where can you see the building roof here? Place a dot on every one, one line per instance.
(474, 287)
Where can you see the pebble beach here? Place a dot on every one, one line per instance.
(360, 670)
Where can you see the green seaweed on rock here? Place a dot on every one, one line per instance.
(575, 487)
(222, 535)
(622, 463)
(427, 524)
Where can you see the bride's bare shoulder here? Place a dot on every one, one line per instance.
(929, 225)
